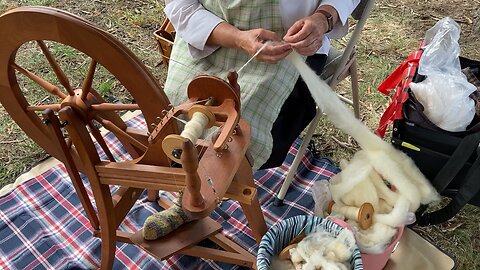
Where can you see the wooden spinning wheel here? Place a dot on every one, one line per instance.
(209, 170)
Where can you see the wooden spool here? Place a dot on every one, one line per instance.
(285, 253)
(363, 215)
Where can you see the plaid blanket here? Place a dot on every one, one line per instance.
(43, 225)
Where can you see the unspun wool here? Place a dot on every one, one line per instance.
(379, 174)
(397, 217)
(321, 249)
(375, 239)
(389, 162)
(277, 264)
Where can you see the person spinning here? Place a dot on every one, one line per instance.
(214, 37)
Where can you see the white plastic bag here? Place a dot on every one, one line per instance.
(445, 92)
(321, 196)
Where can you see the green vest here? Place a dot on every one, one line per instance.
(264, 87)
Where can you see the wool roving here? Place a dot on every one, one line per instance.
(322, 250)
(390, 163)
(379, 174)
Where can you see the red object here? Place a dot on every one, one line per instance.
(400, 80)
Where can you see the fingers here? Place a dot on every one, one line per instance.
(290, 36)
(298, 32)
(308, 46)
(274, 53)
(265, 35)
(305, 36)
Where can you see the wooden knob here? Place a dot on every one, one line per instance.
(363, 215)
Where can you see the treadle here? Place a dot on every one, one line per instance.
(187, 235)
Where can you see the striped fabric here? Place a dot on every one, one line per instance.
(43, 226)
(280, 235)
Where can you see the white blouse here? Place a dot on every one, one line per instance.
(194, 23)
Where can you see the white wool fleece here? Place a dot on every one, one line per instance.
(389, 162)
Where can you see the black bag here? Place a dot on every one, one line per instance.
(450, 160)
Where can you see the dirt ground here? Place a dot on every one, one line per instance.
(464, 12)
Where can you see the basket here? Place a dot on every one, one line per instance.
(165, 37)
(281, 234)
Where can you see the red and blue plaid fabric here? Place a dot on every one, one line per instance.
(43, 225)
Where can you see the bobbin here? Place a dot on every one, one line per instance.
(285, 253)
(363, 215)
(172, 144)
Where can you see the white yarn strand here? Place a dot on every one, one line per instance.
(255, 55)
(185, 65)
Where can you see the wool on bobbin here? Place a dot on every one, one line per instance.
(195, 127)
(201, 118)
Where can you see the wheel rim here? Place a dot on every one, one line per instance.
(27, 24)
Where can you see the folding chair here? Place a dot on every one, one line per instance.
(339, 66)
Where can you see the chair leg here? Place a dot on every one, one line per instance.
(355, 89)
(298, 158)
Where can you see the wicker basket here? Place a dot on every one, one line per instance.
(281, 234)
(165, 37)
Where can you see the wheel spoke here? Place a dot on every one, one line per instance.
(53, 107)
(98, 136)
(114, 107)
(87, 83)
(119, 132)
(40, 81)
(62, 78)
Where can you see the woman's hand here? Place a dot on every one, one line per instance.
(250, 41)
(253, 40)
(306, 35)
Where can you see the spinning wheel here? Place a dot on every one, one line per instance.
(41, 24)
(209, 170)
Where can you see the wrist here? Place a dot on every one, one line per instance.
(225, 35)
(240, 40)
(321, 21)
(327, 19)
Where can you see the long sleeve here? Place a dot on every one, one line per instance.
(194, 24)
(344, 9)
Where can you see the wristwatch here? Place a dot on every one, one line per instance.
(329, 18)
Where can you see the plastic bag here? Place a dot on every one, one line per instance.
(321, 197)
(445, 91)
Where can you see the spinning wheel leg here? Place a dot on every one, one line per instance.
(107, 214)
(108, 236)
(253, 212)
(152, 195)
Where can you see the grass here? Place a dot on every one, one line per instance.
(393, 30)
